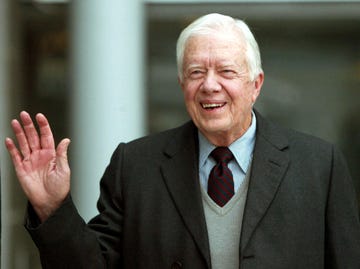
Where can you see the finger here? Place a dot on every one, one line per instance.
(30, 131)
(61, 153)
(21, 138)
(14, 152)
(62, 148)
(46, 136)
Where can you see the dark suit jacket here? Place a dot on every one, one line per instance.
(301, 210)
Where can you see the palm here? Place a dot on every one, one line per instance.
(41, 176)
(42, 170)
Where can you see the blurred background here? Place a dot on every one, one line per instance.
(105, 72)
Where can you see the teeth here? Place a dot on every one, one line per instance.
(211, 105)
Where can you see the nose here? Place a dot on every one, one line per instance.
(211, 83)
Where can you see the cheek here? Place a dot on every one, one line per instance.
(242, 99)
(188, 96)
(189, 91)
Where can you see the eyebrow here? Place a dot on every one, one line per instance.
(193, 66)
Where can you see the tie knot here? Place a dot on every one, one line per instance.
(222, 154)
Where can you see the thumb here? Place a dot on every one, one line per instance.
(61, 154)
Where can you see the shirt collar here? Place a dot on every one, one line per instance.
(242, 148)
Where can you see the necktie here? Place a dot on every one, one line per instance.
(221, 183)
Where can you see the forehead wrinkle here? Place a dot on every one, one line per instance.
(213, 61)
(210, 51)
(209, 56)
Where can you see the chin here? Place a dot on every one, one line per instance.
(215, 128)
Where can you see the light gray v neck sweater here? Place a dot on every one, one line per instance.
(224, 227)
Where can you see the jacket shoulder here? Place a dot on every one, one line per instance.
(286, 138)
(163, 138)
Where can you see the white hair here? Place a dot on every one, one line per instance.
(215, 23)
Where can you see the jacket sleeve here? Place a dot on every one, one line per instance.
(342, 219)
(66, 241)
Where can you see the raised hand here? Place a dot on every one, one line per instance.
(42, 170)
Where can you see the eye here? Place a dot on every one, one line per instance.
(228, 73)
(196, 73)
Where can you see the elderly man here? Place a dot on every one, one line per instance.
(226, 190)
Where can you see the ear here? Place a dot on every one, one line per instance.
(181, 82)
(258, 82)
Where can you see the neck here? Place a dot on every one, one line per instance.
(226, 138)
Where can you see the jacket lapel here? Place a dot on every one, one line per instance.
(270, 162)
(180, 173)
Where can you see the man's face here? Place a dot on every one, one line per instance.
(217, 90)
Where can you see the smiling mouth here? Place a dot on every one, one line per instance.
(210, 106)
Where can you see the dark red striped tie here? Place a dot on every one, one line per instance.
(221, 183)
